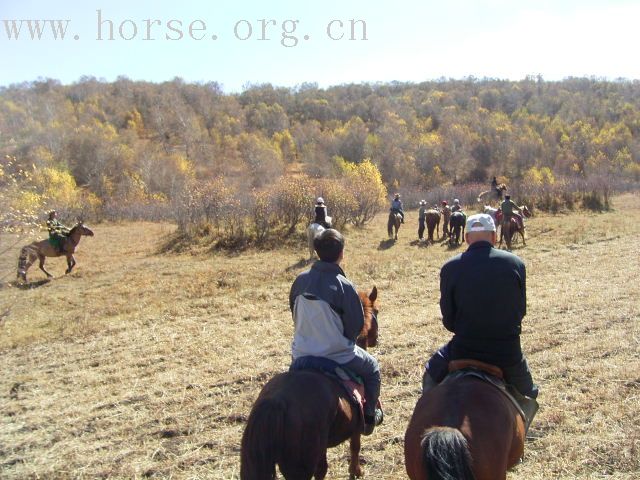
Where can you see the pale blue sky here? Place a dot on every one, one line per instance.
(406, 41)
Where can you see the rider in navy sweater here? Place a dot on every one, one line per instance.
(483, 301)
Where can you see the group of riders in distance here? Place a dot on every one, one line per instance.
(508, 216)
(478, 395)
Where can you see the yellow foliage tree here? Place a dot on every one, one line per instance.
(365, 181)
(284, 141)
(57, 187)
(539, 176)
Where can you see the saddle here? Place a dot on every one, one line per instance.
(349, 381)
(57, 241)
(526, 406)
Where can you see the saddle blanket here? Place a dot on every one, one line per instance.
(526, 407)
(352, 383)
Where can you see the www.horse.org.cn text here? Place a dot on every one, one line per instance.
(288, 32)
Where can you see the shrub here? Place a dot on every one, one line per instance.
(365, 182)
(291, 197)
(340, 200)
(262, 214)
(593, 201)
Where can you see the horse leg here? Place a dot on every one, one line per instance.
(355, 469)
(41, 265)
(321, 469)
(71, 262)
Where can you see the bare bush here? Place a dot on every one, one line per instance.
(291, 198)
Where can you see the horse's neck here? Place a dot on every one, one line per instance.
(74, 237)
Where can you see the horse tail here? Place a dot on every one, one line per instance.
(263, 440)
(446, 455)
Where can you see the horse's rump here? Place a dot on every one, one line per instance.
(291, 425)
(432, 214)
(483, 415)
(457, 219)
(394, 221)
(351, 383)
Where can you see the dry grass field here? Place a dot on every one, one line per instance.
(142, 364)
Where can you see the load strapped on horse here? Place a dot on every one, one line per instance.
(61, 242)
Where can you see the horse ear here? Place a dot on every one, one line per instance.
(374, 294)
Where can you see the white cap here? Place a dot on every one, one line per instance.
(456, 201)
(320, 200)
(480, 222)
(423, 202)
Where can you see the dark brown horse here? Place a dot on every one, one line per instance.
(463, 429)
(393, 223)
(299, 414)
(456, 227)
(42, 249)
(432, 219)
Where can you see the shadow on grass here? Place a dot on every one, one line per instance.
(386, 244)
(303, 262)
(27, 285)
(420, 243)
(209, 242)
(452, 246)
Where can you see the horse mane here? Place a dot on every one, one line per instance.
(367, 307)
(74, 228)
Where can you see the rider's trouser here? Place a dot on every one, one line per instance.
(420, 228)
(366, 366)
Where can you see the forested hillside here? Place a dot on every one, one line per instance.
(110, 144)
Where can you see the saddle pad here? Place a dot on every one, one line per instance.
(495, 381)
(349, 381)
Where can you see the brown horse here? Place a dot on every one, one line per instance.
(395, 219)
(42, 249)
(465, 429)
(299, 414)
(432, 218)
(509, 229)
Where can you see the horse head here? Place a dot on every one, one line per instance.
(525, 211)
(81, 229)
(369, 334)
